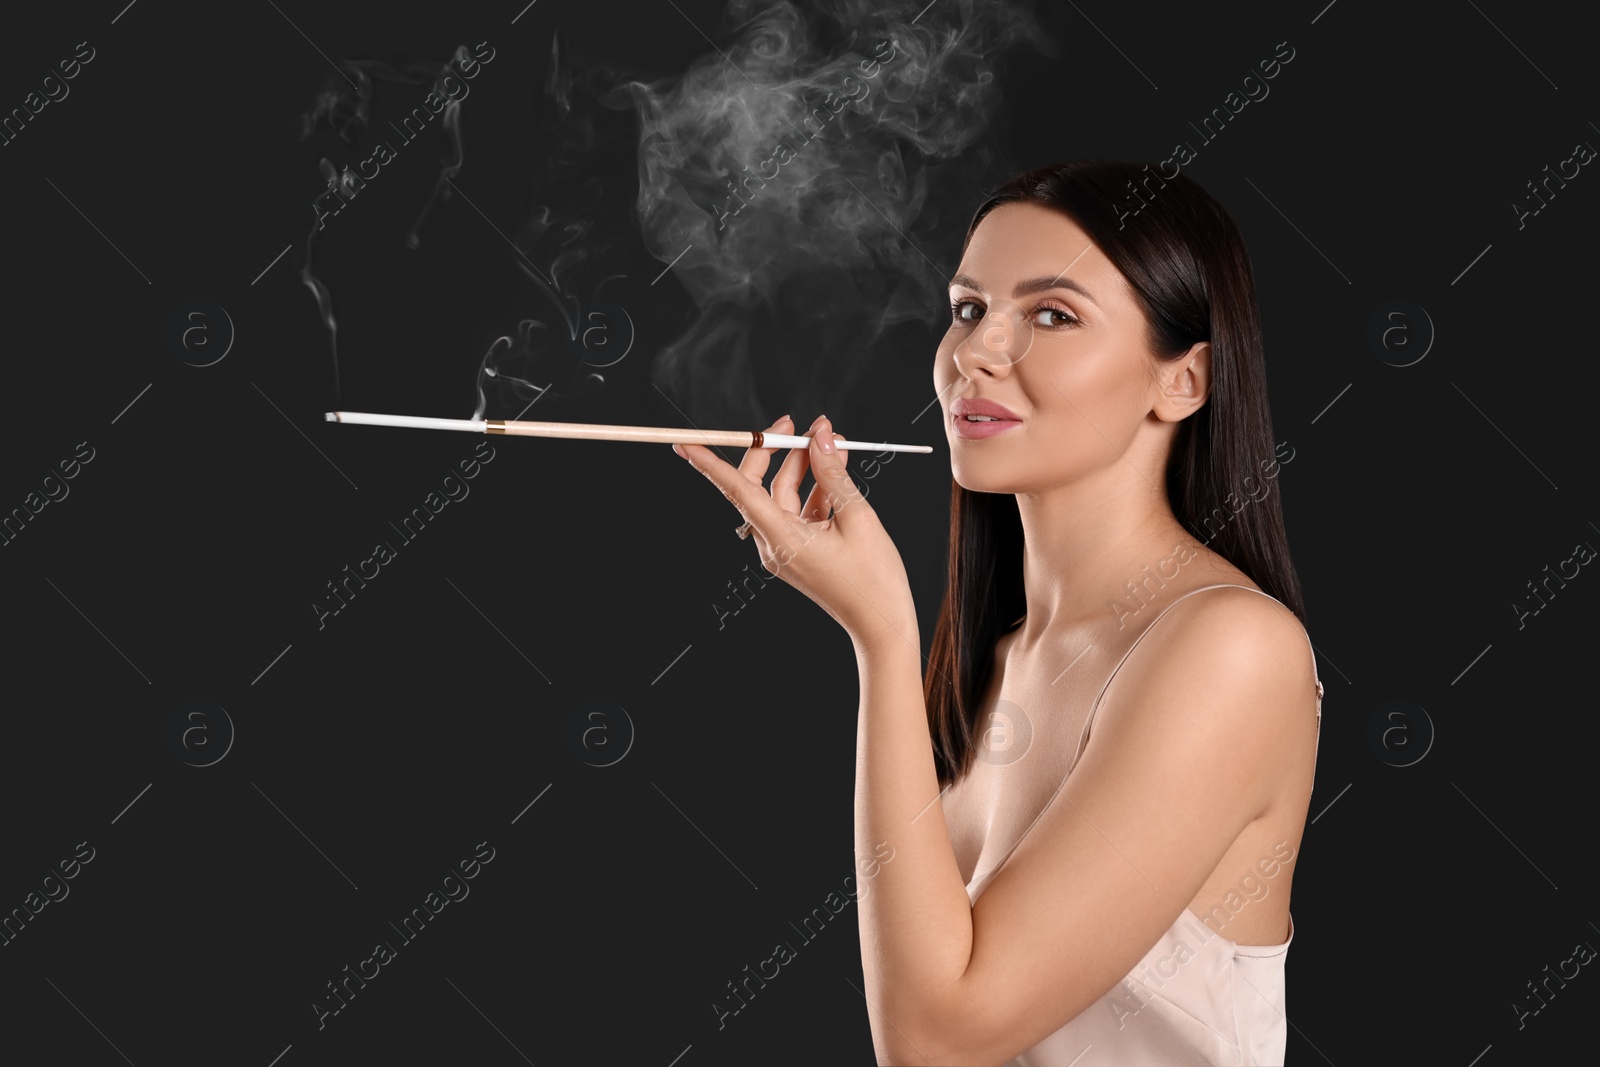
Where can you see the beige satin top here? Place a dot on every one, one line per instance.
(1196, 997)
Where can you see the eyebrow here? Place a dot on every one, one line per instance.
(1028, 286)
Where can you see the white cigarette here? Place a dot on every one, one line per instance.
(416, 422)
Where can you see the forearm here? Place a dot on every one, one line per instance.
(916, 918)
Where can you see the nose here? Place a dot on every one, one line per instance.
(991, 348)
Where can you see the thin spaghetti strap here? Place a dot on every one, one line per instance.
(1316, 748)
(981, 881)
(1095, 707)
(1316, 745)
(1309, 647)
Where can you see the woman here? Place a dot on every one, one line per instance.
(1094, 819)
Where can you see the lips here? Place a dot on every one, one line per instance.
(1000, 418)
(977, 406)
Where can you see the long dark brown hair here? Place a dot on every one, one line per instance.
(1185, 261)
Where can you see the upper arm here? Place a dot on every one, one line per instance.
(1187, 749)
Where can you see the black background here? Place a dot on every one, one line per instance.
(377, 751)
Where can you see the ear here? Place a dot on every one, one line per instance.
(1183, 384)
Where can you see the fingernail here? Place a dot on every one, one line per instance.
(825, 436)
(679, 450)
(781, 418)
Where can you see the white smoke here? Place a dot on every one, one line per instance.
(794, 177)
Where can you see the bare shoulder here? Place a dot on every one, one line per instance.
(1231, 637)
(1227, 672)
(1243, 619)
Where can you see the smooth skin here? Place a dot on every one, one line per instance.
(1202, 753)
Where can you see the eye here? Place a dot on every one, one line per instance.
(966, 311)
(1053, 317)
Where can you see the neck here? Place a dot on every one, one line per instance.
(1085, 541)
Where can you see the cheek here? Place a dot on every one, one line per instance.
(1069, 381)
(1090, 394)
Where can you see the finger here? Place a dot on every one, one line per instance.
(756, 460)
(820, 501)
(818, 504)
(768, 520)
(786, 483)
(835, 488)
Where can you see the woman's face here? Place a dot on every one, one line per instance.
(1044, 325)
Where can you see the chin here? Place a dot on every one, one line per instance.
(974, 482)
